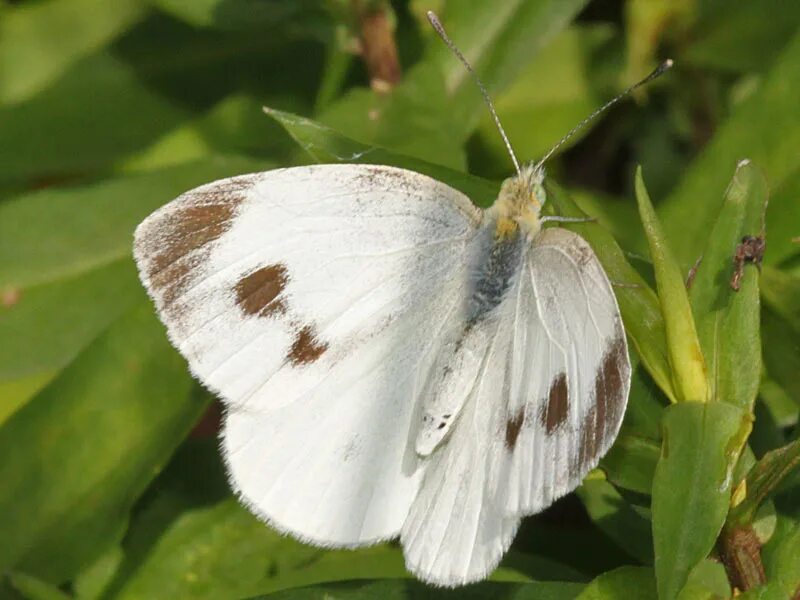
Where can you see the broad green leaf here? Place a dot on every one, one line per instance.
(689, 374)
(213, 552)
(622, 583)
(765, 128)
(392, 589)
(728, 320)
(499, 39)
(741, 36)
(616, 518)
(119, 102)
(58, 233)
(707, 581)
(51, 323)
(782, 219)
(247, 14)
(631, 463)
(32, 588)
(780, 347)
(39, 40)
(415, 119)
(781, 292)
(692, 486)
(234, 127)
(79, 454)
(324, 145)
(552, 94)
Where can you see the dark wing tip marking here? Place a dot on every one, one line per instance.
(306, 347)
(259, 292)
(175, 244)
(513, 427)
(556, 410)
(609, 395)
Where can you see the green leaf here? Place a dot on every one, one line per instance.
(92, 440)
(32, 588)
(212, 552)
(781, 359)
(536, 116)
(781, 291)
(707, 581)
(762, 480)
(782, 219)
(324, 145)
(631, 463)
(728, 321)
(51, 323)
(621, 583)
(616, 518)
(685, 356)
(409, 589)
(39, 40)
(692, 486)
(58, 233)
(742, 36)
(499, 39)
(415, 119)
(246, 14)
(765, 128)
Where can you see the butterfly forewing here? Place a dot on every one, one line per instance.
(311, 299)
(547, 404)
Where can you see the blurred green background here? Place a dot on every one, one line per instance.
(111, 485)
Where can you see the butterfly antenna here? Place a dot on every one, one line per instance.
(660, 70)
(437, 25)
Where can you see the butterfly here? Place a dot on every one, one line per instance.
(394, 361)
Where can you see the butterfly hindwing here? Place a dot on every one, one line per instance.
(311, 299)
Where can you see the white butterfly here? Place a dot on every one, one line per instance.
(394, 361)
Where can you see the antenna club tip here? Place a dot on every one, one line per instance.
(432, 17)
(668, 63)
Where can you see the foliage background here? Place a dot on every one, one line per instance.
(110, 481)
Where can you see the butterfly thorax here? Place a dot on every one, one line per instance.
(519, 203)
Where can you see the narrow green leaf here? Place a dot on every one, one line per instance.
(763, 479)
(324, 145)
(765, 128)
(683, 348)
(392, 589)
(32, 588)
(728, 321)
(500, 39)
(617, 519)
(29, 56)
(692, 486)
(621, 583)
(79, 454)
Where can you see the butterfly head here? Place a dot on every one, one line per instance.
(519, 204)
